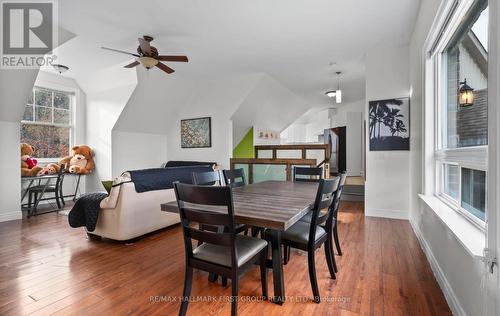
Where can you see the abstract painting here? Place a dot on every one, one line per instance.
(196, 133)
(389, 124)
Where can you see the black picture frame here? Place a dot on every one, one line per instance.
(389, 124)
(189, 141)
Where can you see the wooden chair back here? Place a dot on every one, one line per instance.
(322, 209)
(338, 194)
(235, 177)
(207, 178)
(309, 172)
(206, 205)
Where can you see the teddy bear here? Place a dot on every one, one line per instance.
(29, 166)
(51, 168)
(81, 160)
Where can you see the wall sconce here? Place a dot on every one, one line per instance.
(465, 94)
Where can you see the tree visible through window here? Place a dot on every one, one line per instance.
(47, 123)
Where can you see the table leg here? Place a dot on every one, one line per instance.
(278, 282)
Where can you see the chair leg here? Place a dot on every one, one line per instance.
(58, 202)
(330, 260)
(30, 199)
(263, 272)
(286, 251)
(312, 275)
(337, 242)
(234, 295)
(61, 195)
(188, 282)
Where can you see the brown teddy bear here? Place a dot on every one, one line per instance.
(80, 162)
(29, 166)
(51, 168)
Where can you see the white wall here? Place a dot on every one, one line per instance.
(387, 172)
(103, 109)
(458, 273)
(218, 100)
(133, 151)
(15, 86)
(354, 144)
(10, 184)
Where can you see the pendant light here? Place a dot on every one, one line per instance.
(338, 93)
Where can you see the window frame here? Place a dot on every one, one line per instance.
(72, 116)
(473, 157)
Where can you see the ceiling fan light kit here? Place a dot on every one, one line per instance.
(148, 56)
(148, 62)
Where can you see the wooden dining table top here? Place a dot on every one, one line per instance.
(269, 204)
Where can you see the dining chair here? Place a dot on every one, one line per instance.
(214, 178)
(56, 188)
(208, 178)
(223, 253)
(311, 236)
(333, 233)
(306, 174)
(235, 177)
(336, 206)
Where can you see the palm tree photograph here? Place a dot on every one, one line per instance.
(389, 124)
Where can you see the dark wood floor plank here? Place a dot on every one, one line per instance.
(48, 268)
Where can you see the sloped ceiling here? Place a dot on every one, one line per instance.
(294, 41)
(268, 104)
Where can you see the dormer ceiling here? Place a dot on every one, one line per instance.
(300, 43)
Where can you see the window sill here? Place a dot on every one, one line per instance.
(48, 160)
(472, 238)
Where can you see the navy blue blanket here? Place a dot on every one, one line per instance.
(162, 178)
(86, 210)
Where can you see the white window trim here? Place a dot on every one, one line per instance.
(74, 98)
(469, 231)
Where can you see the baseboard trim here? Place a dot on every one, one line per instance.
(449, 294)
(393, 214)
(10, 216)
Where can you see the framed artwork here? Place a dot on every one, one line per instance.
(389, 124)
(196, 133)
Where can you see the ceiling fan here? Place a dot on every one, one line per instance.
(148, 56)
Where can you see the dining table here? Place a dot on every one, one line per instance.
(272, 205)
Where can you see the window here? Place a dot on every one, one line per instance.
(47, 122)
(460, 66)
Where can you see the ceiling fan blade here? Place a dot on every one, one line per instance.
(165, 68)
(120, 51)
(145, 47)
(183, 59)
(132, 65)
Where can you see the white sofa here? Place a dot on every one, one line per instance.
(126, 214)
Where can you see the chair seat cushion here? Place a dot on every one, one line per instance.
(299, 233)
(307, 218)
(246, 248)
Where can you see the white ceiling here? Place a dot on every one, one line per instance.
(292, 40)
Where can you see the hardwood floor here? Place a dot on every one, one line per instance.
(46, 267)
